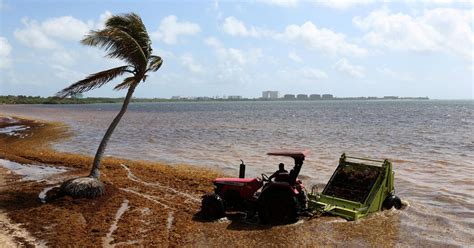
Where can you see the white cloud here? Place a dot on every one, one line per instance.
(41, 35)
(33, 35)
(310, 73)
(66, 28)
(343, 4)
(5, 50)
(187, 60)
(170, 30)
(63, 57)
(320, 39)
(441, 29)
(354, 71)
(51, 32)
(281, 3)
(386, 72)
(295, 57)
(300, 76)
(234, 55)
(234, 65)
(102, 19)
(235, 27)
(64, 73)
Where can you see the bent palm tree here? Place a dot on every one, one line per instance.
(123, 37)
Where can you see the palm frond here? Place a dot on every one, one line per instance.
(118, 44)
(155, 63)
(133, 25)
(93, 81)
(125, 84)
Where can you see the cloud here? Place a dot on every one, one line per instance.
(386, 72)
(32, 35)
(50, 33)
(354, 71)
(5, 50)
(343, 4)
(440, 29)
(45, 35)
(300, 76)
(234, 66)
(170, 30)
(281, 3)
(320, 39)
(187, 60)
(308, 34)
(64, 73)
(310, 73)
(295, 57)
(66, 28)
(234, 55)
(235, 27)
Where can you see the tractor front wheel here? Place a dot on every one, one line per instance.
(212, 207)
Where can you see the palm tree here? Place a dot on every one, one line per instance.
(123, 37)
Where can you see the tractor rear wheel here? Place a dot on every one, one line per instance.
(277, 207)
(212, 207)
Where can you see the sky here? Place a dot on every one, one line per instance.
(221, 48)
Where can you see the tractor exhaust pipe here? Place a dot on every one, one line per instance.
(242, 170)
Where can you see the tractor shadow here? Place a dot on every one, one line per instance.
(238, 221)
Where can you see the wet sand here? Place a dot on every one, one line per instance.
(152, 204)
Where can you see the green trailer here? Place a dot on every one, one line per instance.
(358, 187)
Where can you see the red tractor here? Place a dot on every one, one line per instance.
(276, 201)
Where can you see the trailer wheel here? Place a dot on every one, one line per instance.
(277, 207)
(392, 201)
(397, 202)
(212, 207)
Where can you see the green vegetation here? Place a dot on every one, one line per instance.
(57, 100)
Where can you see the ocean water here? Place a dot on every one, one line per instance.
(430, 143)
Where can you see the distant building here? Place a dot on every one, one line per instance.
(302, 97)
(289, 97)
(315, 97)
(270, 94)
(203, 98)
(176, 97)
(328, 97)
(234, 97)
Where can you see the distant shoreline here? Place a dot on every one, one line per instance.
(94, 100)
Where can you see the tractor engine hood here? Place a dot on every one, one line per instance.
(235, 181)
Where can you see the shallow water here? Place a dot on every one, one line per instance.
(430, 143)
(30, 172)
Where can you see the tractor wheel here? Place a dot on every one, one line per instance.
(278, 207)
(392, 201)
(397, 202)
(212, 207)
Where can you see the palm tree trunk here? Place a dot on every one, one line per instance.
(95, 171)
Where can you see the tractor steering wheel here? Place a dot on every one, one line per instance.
(265, 178)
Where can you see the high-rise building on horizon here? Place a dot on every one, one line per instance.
(270, 94)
